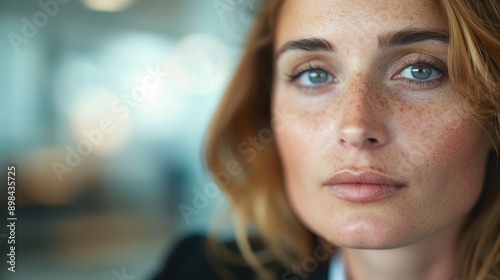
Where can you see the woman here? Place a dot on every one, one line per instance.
(367, 125)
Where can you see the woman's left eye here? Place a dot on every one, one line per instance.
(420, 72)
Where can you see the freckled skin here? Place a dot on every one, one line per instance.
(425, 137)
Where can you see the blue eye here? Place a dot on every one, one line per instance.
(420, 72)
(314, 77)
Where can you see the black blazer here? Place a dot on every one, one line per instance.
(189, 261)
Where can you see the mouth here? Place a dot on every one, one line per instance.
(364, 187)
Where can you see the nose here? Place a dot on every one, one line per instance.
(361, 122)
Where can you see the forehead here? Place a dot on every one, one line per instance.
(357, 20)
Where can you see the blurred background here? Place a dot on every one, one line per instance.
(105, 105)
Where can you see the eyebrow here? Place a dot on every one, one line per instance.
(410, 36)
(312, 45)
(393, 39)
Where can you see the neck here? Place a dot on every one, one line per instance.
(432, 258)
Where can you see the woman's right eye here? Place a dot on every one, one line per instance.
(313, 78)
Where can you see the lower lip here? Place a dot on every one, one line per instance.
(363, 192)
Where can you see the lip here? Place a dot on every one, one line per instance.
(366, 186)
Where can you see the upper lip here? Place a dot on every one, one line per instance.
(363, 177)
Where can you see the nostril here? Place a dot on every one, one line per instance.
(372, 140)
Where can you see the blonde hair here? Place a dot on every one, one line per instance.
(474, 68)
(258, 194)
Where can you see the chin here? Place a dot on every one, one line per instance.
(371, 245)
(371, 239)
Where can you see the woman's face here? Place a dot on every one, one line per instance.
(377, 149)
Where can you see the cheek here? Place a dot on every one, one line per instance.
(441, 155)
(301, 147)
(292, 153)
(446, 157)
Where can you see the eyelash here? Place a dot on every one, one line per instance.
(301, 70)
(311, 66)
(428, 62)
(421, 61)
